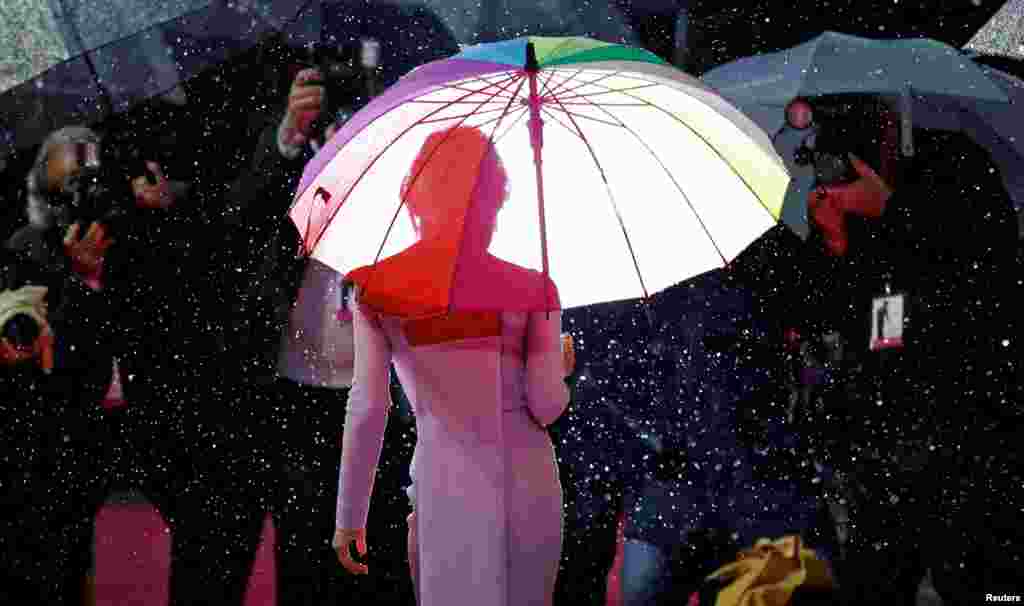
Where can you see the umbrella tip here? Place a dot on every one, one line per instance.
(531, 58)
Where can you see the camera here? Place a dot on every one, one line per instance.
(826, 155)
(23, 317)
(843, 124)
(349, 77)
(101, 190)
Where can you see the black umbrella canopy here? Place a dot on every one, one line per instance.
(115, 57)
(100, 58)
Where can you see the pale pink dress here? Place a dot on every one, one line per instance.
(486, 489)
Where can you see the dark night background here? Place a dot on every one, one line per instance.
(680, 368)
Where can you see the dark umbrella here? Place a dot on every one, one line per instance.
(100, 58)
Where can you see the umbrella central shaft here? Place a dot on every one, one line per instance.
(537, 143)
(536, 124)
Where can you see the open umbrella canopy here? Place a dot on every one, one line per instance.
(835, 63)
(84, 61)
(938, 81)
(625, 175)
(30, 43)
(1003, 34)
(995, 126)
(231, 65)
(40, 35)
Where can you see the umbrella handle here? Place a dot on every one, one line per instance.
(536, 126)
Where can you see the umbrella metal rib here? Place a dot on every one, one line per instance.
(497, 124)
(611, 199)
(623, 108)
(645, 103)
(547, 101)
(675, 182)
(338, 206)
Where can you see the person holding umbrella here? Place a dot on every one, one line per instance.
(441, 272)
(484, 386)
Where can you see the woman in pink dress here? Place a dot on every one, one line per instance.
(487, 503)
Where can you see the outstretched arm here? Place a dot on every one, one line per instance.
(365, 421)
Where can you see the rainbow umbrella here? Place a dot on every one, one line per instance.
(626, 175)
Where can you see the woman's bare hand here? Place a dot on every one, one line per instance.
(343, 539)
(568, 354)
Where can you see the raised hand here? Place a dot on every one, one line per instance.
(88, 253)
(306, 99)
(157, 195)
(830, 219)
(828, 204)
(866, 196)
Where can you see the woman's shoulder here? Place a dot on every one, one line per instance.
(521, 287)
(389, 288)
(526, 282)
(388, 269)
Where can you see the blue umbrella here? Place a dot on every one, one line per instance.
(835, 63)
(995, 126)
(919, 70)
